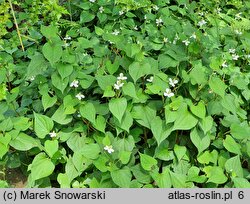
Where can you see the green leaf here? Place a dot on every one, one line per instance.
(185, 120)
(60, 117)
(41, 167)
(178, 180)
(206, 124)
(98, 30)
(199, 110)
(207, 157)
(58, 82)
(240, 131)
(21, 123)
(86, 17)
(129, 90)
(106, 81)
(43, 125)
(147, 162)
(140, 174)
(241, 183)
(49, 31)
(122, 177)
(90, 151)
(180, 151)
(137, 70)
(217, 86)
(193, 175)
(118, 107)
(215, 174)
(51, 147)
(166, 61)
(199, 139)
(233, 166)
(6, 125)
(232, 146)
(163, 180)
(124, 156)
(63, 180)
(48, 101)
(64, 70)
(88, 111)
(197, 74)
(23, 142)
(52, 52)
(127, 121)
(36, 66)
(4, 144)
(100, 123)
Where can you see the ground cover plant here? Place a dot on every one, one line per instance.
(125, 93)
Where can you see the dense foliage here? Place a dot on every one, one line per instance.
(125, 93)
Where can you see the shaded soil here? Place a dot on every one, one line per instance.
(15, 178)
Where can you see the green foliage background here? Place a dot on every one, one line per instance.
(126, 93)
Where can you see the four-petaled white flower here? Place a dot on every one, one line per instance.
(135, 27)
(150, 79)
(121, 13)
(121, 77)
(155, 7)
(231, 51)
(168, 93)
(52, 134)
(202, 23)
(109, 149)
(172, 82)
(101, 9)
(237, 32)
(92, 1)
(118, 84)
(159, 21)
(74, 83)
(235, 56)
(80, 96)
(224, 64)
(116, 32)
(186, 42)
(193, 36)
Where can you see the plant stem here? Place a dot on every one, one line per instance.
(17, 28)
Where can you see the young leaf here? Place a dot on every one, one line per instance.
(118, 107)
(43, 125)
(41, 167)
(147, 162)
(231, 145)
(122, 177)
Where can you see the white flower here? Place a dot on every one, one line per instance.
(32, 78)
(136, 28)
(92, 1)
(121, 77)
(235, 56)
(210, 91)
(109, 149)
(238, 16)
(145, 17)
(150, 79)
(118, 84)
(237, 32)
(52, 134)
(101, 9)
(231, 51)
(74, 83)
(67, 38)
(159, 21)
(193, 36)
(121, 13)
(168, 93)
(218, 10)
(201, 13)
(80, 96)
(202, 23)
(155, 7)
(116, 32)
(186, 42)
(66, 45)
(247, 56)
(165, 40)
(172, 82)
(224, 64)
